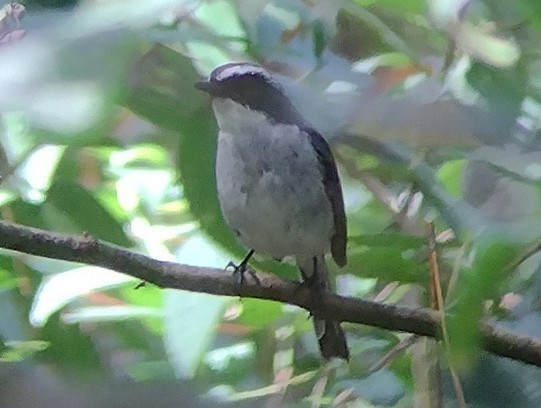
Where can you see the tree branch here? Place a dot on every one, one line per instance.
(90, 251)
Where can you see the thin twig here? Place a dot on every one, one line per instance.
(396, 351)
(438, 304)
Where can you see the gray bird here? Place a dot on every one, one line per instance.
(277, 182)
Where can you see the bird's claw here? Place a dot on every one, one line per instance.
(239, 272)
(140, 285)
(308, 282)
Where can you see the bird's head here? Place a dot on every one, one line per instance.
(252, 86)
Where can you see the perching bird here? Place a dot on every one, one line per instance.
(277, 181)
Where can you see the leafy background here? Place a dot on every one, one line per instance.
(433, 111)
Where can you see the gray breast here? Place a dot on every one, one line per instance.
(270, 184)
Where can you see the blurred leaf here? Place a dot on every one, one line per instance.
(258, 313)
(48, 266)
(389, 239)
(530, 10)
(8, 278)
(147, 156)
(357, 39)
(71, 349)
(222, 18)
(426, 372)
(498, 52)
(499, 197)
(483, 282)
(33, 171)
(71, 208)
(232, 366)
(503, 92)
(14, 351)
(58, 290)
(66, 78)
(510, 161)
(149, 186)
(97, 314)
(445, 12)
(150, 371)
(382, 388)
(500, 382)
(147, 296)
(450, 175)
(69, 167)
(318, 33)
(192, 316)
(388, 264)
(161, 89)
(412, 6)
(190, 323)
(27, 214)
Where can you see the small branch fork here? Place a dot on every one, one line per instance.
(88, 250)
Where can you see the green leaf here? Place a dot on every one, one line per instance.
(13, 351)
(318, 34)
(147, 296)
(411, 6)
(162, 89)
(389, 239)
(503, 92)
(58, 290)
(190, 323)
(483, 282)
(258, 313)
(358, 38)
(8, 278)
(450, 175)
(71, 349)
(395, 258)
(28, 214)
(99, 314)
(498, 52)
(380, 388)
(191, 318)
(70, 208)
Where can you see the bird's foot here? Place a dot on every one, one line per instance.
(311, 280)
(308, 282)
(241, 269)
(140, 285)
(239, 273)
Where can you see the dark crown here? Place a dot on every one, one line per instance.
(252, 86)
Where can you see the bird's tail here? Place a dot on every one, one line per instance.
(332, 340)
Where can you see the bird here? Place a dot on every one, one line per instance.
(277, 182)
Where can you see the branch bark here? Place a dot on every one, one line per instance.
(88, 250)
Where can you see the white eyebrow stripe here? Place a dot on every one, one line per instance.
(241, 69)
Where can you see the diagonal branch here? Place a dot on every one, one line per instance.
(90, 251)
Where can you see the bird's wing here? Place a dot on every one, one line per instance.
(333, 189)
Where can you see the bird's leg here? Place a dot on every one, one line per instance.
(140, 285)
(312, 282)
(240, 269)
(309, 280)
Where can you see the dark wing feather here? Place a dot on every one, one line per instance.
(333, 189)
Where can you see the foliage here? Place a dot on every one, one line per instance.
(433, 112)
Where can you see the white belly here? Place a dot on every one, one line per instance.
(270, 190)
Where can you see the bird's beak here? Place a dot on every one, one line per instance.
(204, 86)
